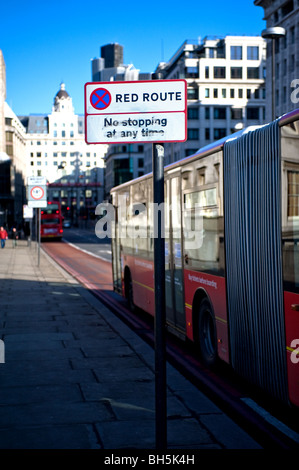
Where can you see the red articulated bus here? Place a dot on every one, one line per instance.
(51, 221)
(231, 252)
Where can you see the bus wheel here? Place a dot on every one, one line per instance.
(129, 291)
(206, 334)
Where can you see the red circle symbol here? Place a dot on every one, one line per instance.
(100, 98)
(37, 193)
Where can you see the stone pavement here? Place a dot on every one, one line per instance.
(76, 377)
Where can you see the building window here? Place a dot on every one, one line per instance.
(248, 93)
(192, 134)
(219, 72)
(192, 113)
(287, 8)
(219, 113)
(189, 152)
(191, 72)
(236, 72)
(236, 113)
(223, 92)
(207, 71)
(192, 93)
(252, 113)
(240, 93)
(207, 133)
(62, 133)
(252, 53)
(219, 133)
(232, 92)
(9, 136)
(236, 52)
(215, 92)
(256, 94)
(207, 113)
(54, 133)
(252, 72)
(207, 92)
(9, 150)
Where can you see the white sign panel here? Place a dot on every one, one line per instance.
(27, 212)
(139, 111)
(37, 191)
(36, 180)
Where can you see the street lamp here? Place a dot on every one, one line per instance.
(273, 33)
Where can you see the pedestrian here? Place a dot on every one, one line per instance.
(3, 236)
(14, 237)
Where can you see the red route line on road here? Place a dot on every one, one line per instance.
(94, 273)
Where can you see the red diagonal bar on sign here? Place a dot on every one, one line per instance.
(100, 98)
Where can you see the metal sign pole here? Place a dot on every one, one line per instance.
(160, 315)
(38, 236)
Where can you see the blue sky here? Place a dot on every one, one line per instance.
(45, 43)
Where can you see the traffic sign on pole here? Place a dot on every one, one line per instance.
(133, 112)
(37, 191)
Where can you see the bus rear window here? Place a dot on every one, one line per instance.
(50, 221)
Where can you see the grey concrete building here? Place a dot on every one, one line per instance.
(285, 60)
(225, 89)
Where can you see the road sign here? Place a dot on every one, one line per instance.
(27, 212)
(37, 191)
(138, 111)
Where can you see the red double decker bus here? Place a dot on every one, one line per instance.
(231, 252)
(51, 221)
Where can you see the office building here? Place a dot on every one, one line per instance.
(285, 61)
(225, 90)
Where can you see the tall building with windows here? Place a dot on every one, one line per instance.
(225, 89)
(285, 14)
(12, 160)
(56, 149)
(2, 101)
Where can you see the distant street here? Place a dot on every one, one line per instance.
(86, 240)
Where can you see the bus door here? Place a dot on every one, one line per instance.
(174, 281)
